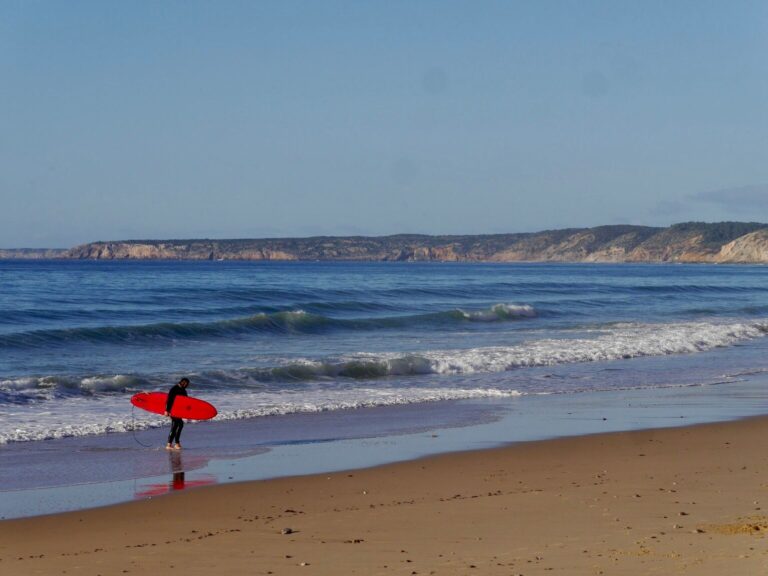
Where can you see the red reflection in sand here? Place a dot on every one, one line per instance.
(177, 483)
(178, 480)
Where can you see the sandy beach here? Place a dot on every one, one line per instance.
(465, 288)
(672, 501)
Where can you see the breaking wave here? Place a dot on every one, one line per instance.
(96, 404)
(622, 341)
(615, 342)
(287, 322)
(110, 417)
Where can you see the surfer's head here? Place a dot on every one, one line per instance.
(184, 382)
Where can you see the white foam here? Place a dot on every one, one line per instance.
(84, 416)
(615, 343)
(501, 311)
(45, 387)
(106, 410)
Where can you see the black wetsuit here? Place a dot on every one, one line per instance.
(176, 423)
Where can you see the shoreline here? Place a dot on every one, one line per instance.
(69, 474)
(666, 500)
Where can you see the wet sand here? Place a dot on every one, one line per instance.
(672, 501)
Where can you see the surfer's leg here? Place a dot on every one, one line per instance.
(176, 426)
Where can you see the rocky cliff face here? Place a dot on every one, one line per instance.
(748, 248)
(690, 242)
(191, 250)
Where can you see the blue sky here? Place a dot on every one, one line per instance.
(248, 119)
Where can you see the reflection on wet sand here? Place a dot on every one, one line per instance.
(178, 479)
(178, 470)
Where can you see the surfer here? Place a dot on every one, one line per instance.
(176, 423)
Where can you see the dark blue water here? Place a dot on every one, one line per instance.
(78, 338)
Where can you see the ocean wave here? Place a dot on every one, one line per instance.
(85, 317)
(500, 312)
(97, 404)
(620, 342)
(77, 419)
(617, 341)
(34, 389)
(285, 322)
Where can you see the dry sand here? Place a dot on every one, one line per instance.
(676, 501)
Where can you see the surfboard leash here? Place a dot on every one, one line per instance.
(133, 428)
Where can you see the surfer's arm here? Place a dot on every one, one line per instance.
(169, 402)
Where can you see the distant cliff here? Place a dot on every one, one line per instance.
(32, 253)
(724, 242)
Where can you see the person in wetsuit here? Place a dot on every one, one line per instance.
(177, 424)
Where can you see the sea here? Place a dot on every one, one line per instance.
(318, 367)
(309, 339)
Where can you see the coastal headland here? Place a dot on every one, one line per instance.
(691, 242)
(667, 501)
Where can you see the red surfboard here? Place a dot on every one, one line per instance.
(183, 406)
